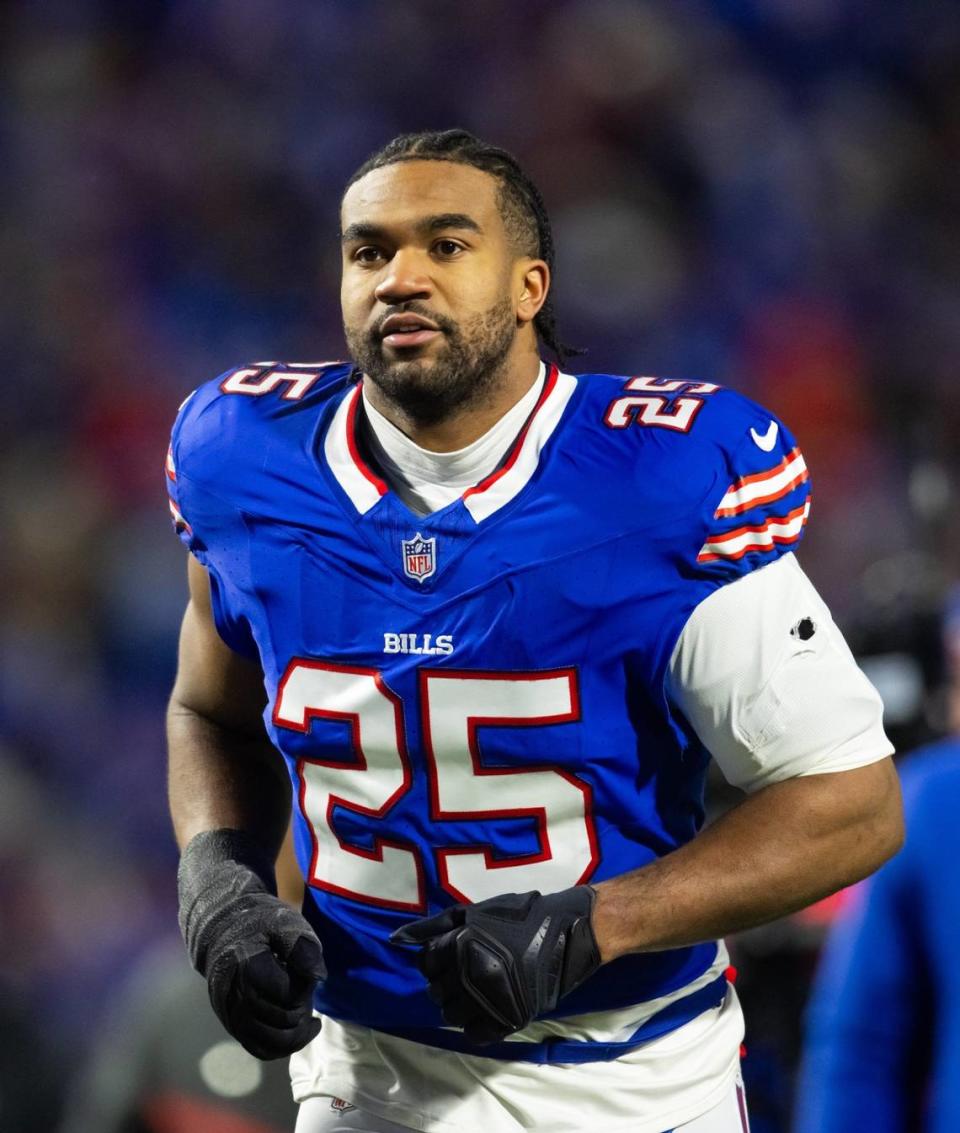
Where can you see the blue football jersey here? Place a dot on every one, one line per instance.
(473, 702)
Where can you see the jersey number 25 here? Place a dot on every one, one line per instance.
(454, 706)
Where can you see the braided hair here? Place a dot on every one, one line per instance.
(521, 205)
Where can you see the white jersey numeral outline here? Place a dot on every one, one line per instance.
(454, 706)
(391, 874)
(261, 378)
(653, 402)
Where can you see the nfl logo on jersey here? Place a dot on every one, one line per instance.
(419, 557)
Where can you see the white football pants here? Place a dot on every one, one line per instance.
(321, 1115)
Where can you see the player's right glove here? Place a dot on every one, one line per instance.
(261, 958)
(494, 966)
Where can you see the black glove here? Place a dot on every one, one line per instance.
(261, 958)
(496, 965)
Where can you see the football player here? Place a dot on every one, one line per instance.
(496, 619)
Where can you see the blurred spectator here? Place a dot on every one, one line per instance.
(30, 1071)
(164, 1064)
(883, 1043)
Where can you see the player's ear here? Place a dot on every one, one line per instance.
(534, 283)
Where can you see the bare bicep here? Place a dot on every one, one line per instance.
(212, 680)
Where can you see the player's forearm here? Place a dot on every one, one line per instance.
(220, 777)
(779, 850)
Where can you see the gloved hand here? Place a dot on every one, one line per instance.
(261, 958)
(496, 965)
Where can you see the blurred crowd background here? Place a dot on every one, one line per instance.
(762, 193)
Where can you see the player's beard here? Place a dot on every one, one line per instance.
(467, 367)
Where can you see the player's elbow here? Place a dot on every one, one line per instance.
(895, 829)
(855, 820)
(888, 834)
(882, 829)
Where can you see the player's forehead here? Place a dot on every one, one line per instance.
(405, 192)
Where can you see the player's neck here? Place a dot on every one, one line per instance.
(463, 428)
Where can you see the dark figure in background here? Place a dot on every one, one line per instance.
(883, 1033)
(162, 1063)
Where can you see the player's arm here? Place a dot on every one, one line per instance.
(496, 965)
(230, 800)
(763, 675)
(223, 770)
(765, 679)
(782, 848)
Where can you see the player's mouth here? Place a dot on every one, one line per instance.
(404, 331)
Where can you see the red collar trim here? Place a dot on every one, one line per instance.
(378, 482)
(504, 468)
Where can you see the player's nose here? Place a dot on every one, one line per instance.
(406, 278)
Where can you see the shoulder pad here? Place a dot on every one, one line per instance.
(224, 416)
(712, 453)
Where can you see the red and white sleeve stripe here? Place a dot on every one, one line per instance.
(776, 530)
(764, 487)
(178, 521)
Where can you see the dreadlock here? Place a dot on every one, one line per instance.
(519, 200)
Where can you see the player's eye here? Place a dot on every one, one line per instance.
(368, 254)
(447, 248)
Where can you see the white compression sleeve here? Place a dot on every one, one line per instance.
(427, 481)
(766, 680)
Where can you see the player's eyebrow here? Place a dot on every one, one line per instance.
(439, 221)
(449, 220)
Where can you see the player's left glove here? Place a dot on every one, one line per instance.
(496, 965)
(261, 959)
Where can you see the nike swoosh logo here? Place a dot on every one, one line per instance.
(766, 440)
(538, 938)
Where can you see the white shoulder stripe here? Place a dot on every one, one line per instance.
(762, 537)
(501, 488)
(764, 487)
(363, 491)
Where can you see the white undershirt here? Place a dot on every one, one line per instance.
(427, 481)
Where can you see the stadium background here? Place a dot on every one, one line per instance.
(756, 192)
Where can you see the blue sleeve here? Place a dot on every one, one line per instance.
(759, 503)
(733, 493)
(864, 1017)
(207, 525)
